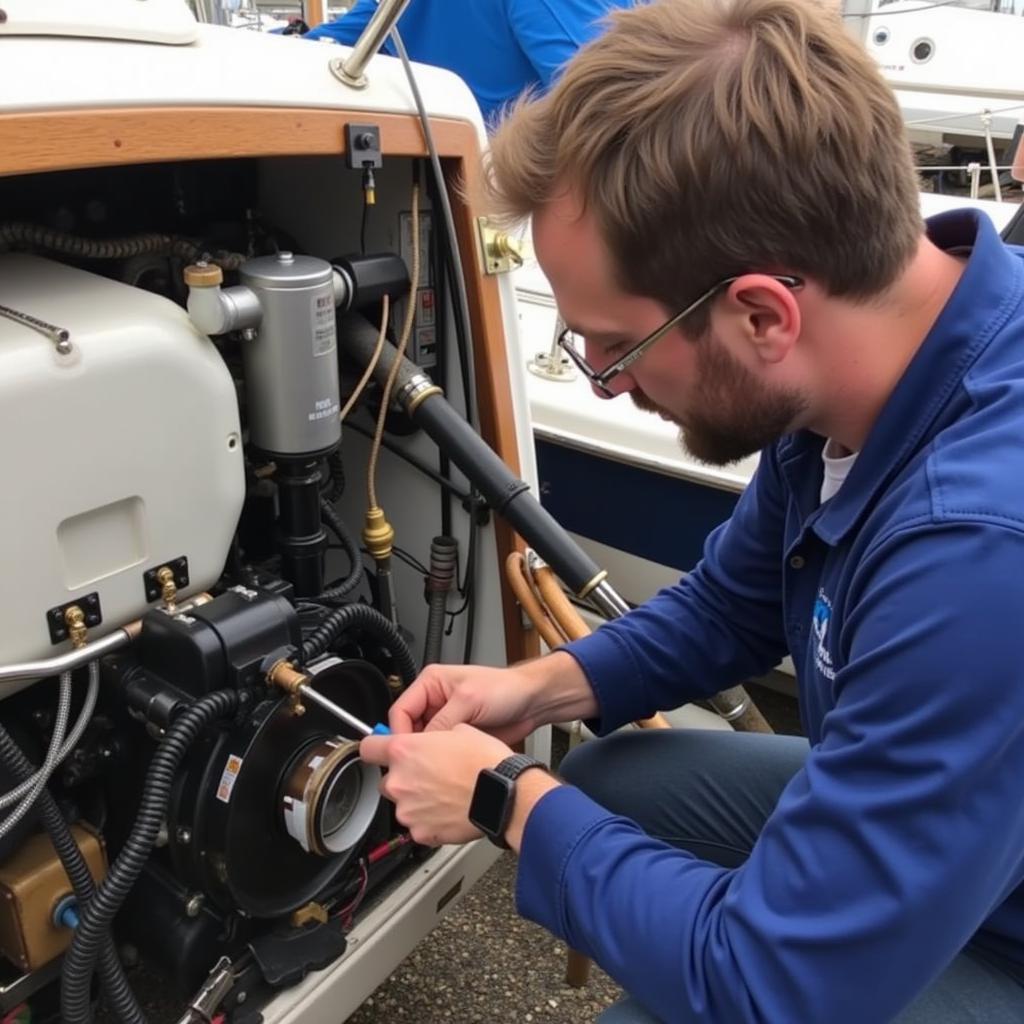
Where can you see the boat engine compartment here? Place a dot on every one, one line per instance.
(210, 576)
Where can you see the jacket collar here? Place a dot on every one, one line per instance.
(988, 292)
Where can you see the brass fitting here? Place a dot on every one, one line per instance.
(203, 275)
(168, 588)
(74, 619)
(378, 534)
(133, 629)
(310, 912)
(285, 675)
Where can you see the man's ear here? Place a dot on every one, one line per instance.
(766, 314)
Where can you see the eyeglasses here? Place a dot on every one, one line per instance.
(600, 379)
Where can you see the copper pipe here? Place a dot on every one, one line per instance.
(561, 609)
(515, 570)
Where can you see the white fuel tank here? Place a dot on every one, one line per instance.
(116, 457)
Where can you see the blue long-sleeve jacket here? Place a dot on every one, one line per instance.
(498, 47)
(901, 601)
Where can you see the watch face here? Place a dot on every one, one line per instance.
(490, 801)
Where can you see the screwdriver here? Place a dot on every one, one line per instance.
(380, 729)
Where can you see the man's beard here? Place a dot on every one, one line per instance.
(734, 414)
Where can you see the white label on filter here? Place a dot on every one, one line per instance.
(324, 409)
(324, 337)
(228, 778)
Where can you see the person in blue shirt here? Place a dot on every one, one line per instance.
(499, 48)
(724, 202)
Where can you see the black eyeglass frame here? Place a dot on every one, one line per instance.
(601, 378)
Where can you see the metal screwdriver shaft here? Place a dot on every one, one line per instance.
(347, 717)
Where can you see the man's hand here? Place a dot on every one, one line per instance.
(508, 703)
(431, 777)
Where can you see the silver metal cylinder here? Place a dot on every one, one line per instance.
(607, 600)
(291, 362)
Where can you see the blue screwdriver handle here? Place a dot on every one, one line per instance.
(380, 729)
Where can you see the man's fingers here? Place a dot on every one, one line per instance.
(409, 709)
(376, 750)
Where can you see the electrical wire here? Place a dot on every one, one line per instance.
(461, 303)
(371, 366)
(453, 488)
(460, 308)
(347, 912)
(403, 342)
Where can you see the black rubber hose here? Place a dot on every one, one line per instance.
(443, 556)
(360, 616)
(330, 516)
(95, 916)
(337, 470)
(115, 985)
(503, 491)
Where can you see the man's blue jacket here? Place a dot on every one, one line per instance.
(498, 47)
(901, 601)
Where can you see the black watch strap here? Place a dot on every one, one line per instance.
(514, 766)
(495, 793)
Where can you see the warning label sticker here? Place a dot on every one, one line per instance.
(228, 778)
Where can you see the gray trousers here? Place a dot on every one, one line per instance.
(710, 793)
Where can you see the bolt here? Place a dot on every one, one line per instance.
(365, 140)
(241, 996)
(183, 835)
(194, 904)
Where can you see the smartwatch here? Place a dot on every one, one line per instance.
(495, 794)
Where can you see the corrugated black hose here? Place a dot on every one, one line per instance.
(97, 914)
(330, 516)
(115, 985)
(360, 616)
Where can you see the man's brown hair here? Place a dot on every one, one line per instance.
(714, 137)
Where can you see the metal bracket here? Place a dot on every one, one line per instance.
(57, 625)
(501, 253)
(179, 566)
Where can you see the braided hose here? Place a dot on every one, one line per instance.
(115, 984)
(18, 234)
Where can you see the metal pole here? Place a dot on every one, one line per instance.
(351, 69)
(986, 120)
(856, 15)
(211, 12)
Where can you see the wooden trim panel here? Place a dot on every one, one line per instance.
(71, 140)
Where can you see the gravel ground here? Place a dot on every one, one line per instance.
(484, 963)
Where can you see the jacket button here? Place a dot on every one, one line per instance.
(797, 562)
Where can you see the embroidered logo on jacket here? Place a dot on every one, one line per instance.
(820, 619)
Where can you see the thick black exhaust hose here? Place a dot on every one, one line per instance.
(509, 496)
